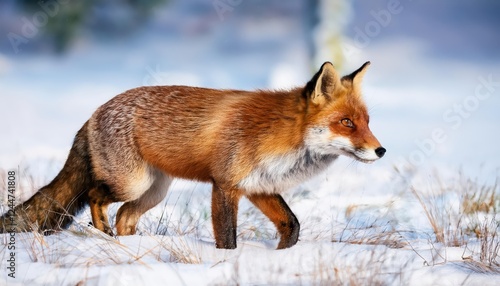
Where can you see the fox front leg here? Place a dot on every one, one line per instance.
(224, 215)
(276, 209)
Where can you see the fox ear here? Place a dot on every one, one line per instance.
(323, 84)
(357, 76)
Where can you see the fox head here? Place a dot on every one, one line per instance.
(338, 117)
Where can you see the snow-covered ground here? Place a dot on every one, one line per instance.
(360, 225)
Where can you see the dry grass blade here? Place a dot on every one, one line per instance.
(180, 250)
(431, 217)
(490, 244)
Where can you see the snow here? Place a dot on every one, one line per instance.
(357, 227)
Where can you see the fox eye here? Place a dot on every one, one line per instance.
(347, 122)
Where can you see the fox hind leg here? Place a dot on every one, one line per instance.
(130, 212)
(99, 199)
(276, 209)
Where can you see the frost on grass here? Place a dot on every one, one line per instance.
(404, 227)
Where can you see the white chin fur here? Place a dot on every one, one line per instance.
(319, 141)
(366, 155)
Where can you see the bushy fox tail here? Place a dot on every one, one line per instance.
(54, 206)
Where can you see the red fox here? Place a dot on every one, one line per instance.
(253, 144)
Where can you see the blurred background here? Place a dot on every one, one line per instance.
(433, 87)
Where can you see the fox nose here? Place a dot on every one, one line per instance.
(380, 151)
